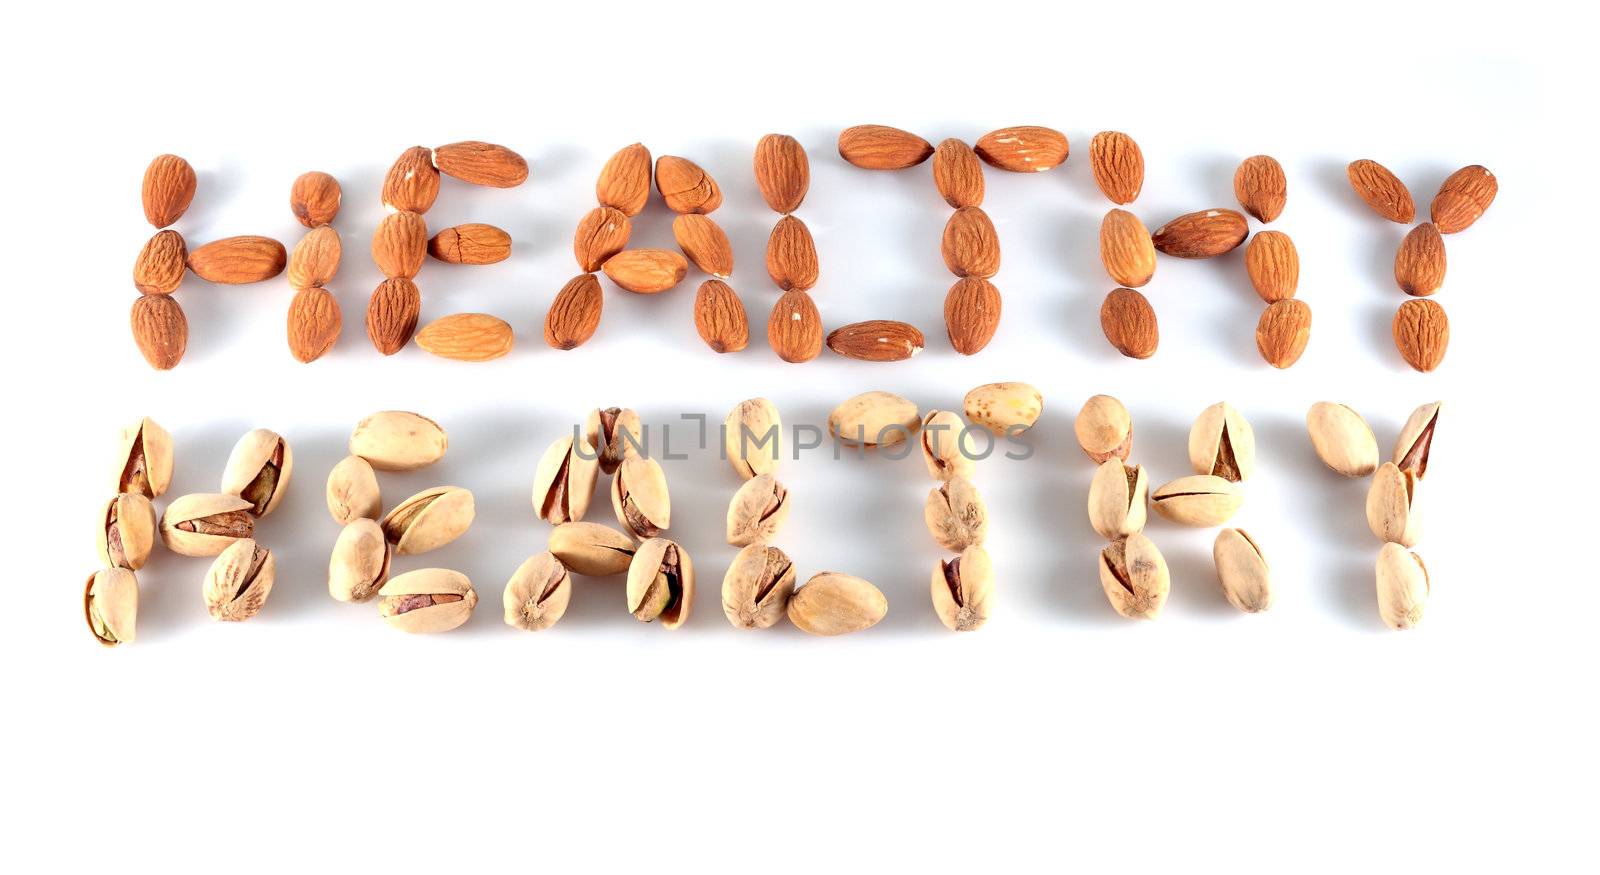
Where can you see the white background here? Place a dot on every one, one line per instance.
(1307, 738)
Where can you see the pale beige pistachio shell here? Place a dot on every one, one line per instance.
(592, 549)
(752, 438)
(1200, 500)
(1004, 408)
(428, 520)
(661, 583)
(427, 600)
(144, 459)
(757, 511)
(639, 498)
(1391, 505)
(963, 589)
(359, 566)
(1342, 439)
(1134, 575)
(947, 449)
(353, 491)
(111, 605)
(127, 531)
(1403, 587)
(1221, 442)
(1104, 429)
(616, 433)
(1416, 439)
(757, 588)
(396, 440)
(564, 483)
(239, 581)
(537, 594)
(1242, 570)
(1117, 497)
(831, 603)
(205, 523)
(258, 470)
(874, 419)
(956, 515)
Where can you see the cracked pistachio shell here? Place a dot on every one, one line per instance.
(359, 566)
(946, 447)
(963, 590)
(239, 581)
(1342, 439)
(1416, 439)
(564, 483)
(661, 583)
(127, 531)
(1199, 500)
(428, 520)
(616, 433)
(1117, 497)
(427, 600)
(538, 593)
(874, 419)
(1391, 505)
(144, 459)
(395, 440)
(353, 491)
(1403, 587)
(1242, 570)
(592, 549)
(956, 515)
(1104, 429)
(111, 604)
(1134, 575)
(751, 438)
(757, 511)
(1221, 442)
(757, 587)
(258, 470)
(639, 498)
(1004, 408)
(831, 603)
(205, 523)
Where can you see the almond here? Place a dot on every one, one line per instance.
(1382, 190)
(685, 187)
(466, 337)
(1273, 264)
(392, 314)
(876, 340)
(314, 198)
(1205, 234)
(1118, 166)
(159, 268)
(958, 174)
(481, 164)
(472, 243)
(783, 172)
(575, 313)
(236, 260)
(160, 330)
(970, 245)
(624, 182)
(412, 182)
(400, 244)
(792, 255)
(1463, 197)
(1260, 186)
(880, 147)
(646, 271)
(1024, 148)
(720, 318)
(705, 243)
(1126, 249)
(1419, 265)
(971, 314)
(602, 233)
(315, 259)
(1283, 332)
(795, 327)
(169, 184)
(314, 323)
(1421, 333)
(1129, 322)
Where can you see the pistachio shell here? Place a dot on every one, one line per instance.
(353, 491)
(359, 566)
(1403, 587)
(1199, 500)
(1221, 442)
(428, 520)
(111, 605)
(616, 433)
(1416, 439)
(874, 419)
(395, 440)
(946, 446)
(1342, 439)
(757, 511)
(1117, 497)
(1104, 429)
(258, 470)
(963, 589)
(563, 486)
(1391, 510)
(1004, 408)
(639, 498)
(144, 459)
(836, 604)
(956, 515)
(205, 524)
(592, 549)
(751, 437)
(1242, 570)
(127, 531)
(1134, 575)
(757, 587)
(661, 583)
(537, 594)
(427, 600)
(239, 581)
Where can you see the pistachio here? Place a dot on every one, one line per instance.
(359, 566)
(660, 582)
(1246, 579)
(1403, 587)
(204, 524)
(1004, 408)
(874, 419)
(639, 498)
(946, 449)
(1134, 575)
(1104, 429)
(757, 587)
(538, 593)
(239, 581)
(834, 604)
(1391, 505)
(111, 605)
(144, 459)
(751, 437)
(1416, 439)
(1221, 442)
(1200, 500)
(1117, 497)
(258, 470)
(615, 433)
(963, 588)
(592, 549)
(757, 511)
(398, 441)
(128, 531)
(564, 483)
(956, 515)
(353, 491)
(428, 520)
(1342, 439)
(427, 600)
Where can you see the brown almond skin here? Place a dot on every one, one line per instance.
(719, 317)
(400, 244)
(685, 186)
(472, 243)
(958, 174)
(705, 243)
(467, 337)
(1420, 263)
(315, 259)
(876, 340)
(646, 271)
(794, 329)
(971, 314)
(412, 182)
(1382, 190)
(575, 313)
(1463, 197)
(1283, 332)
(602, 233)
(783, 172)
(1118, 166)
(314, 198)
(159, 268)
(160, 329)
(169, 184)
(314, 323)
(1261, 188)
(1202, 234)
(624, 182)
(970, 245)
(392, 314)
(880, 147)
(1023, 148)
(238, 260)
(1421, 333)
(792, 255)
(1129, 322)
(481, 164)
(1273, 264)
(1126, 249)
